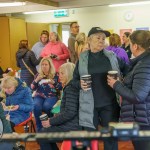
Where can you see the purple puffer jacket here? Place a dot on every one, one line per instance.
(120, 52)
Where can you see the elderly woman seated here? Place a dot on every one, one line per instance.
(18, 97)
(67, 119)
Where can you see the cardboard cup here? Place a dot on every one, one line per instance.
(113, 74)
(87, 79)
(44, 117)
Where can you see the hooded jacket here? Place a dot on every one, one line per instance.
(22, 97)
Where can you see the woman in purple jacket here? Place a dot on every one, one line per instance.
(115, 43)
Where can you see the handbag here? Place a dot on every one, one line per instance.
(28, 68)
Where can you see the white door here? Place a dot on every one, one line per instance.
(65, 33)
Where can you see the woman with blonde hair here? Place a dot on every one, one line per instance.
(46, 84)
(81, 43)
(18, 97)
(67, 119)
(56, 50)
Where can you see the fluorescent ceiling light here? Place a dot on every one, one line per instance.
(12, 4)
(38, 12)
(130, 4)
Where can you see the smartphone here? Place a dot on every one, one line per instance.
(53, 55)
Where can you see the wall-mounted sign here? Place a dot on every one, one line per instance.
(61, 13)
(143, 28)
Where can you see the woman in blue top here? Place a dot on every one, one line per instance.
(17, 95)
(47, 86)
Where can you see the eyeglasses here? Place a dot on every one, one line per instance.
(76, 27)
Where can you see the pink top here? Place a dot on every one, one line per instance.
(58, 49)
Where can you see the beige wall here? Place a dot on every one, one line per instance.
(34, 31)
(104, 16)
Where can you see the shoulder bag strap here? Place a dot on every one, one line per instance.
(27, 67)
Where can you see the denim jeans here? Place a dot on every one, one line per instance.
(42, 105)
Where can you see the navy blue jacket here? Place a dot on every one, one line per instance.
(135, 91)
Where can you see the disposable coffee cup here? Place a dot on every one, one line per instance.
(87, 79)
(44, 117)
(113, 74)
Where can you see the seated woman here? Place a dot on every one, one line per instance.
(46, 85)
(67, 119)
(19, 101)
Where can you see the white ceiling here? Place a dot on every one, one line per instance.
(36, 5)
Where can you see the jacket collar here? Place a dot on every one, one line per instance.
(138, 58)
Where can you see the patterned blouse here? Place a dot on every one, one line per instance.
(45, 89)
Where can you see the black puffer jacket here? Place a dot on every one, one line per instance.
(135, 91)
(31, 61)
(68, 118)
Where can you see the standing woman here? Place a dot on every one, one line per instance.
(135, 88)
(56, 50)
(126, 44)
(81, 44)
(114, 45)
(27, 61)
(47, 85)
(99, 102)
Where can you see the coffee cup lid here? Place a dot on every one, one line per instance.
(84, 76)
(44, 115)
(113, 71)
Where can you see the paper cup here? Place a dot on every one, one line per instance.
(87, 79)
(44, 117)
(113, 74)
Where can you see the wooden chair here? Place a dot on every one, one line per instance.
(26, 124)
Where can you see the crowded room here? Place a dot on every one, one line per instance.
(74, 75)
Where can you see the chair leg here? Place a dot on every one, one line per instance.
(32, 126)
(26, 128)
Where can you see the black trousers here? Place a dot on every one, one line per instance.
(103, 116)
(142, 144)
(50, 145)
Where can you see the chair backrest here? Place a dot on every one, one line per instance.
(26, 121)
